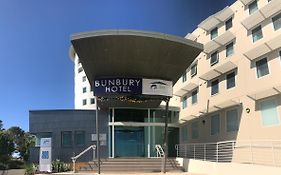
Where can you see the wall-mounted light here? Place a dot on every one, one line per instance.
(248, 110)
(203, 122)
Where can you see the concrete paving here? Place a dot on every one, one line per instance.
(88, 173)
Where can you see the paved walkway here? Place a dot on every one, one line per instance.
(168, 173)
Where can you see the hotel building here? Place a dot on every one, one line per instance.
(226, 107)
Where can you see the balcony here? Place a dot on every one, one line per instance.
(221, 40)
(186, 88)
(264, 48)
(190, 36)
(219, 70)
(272, 8)
(246, 2)
(220, 106)
(216, 19)
(275, 90)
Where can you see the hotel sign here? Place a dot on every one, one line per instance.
(132, 86)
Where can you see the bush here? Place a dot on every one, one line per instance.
(16, 164)
(60, 166)
(30, 169)
(3, 166)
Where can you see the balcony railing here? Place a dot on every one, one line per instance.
(264, 152)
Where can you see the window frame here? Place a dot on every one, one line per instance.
(238, 119)
(195, 72)
(197, 130)
(62, 138)
(84, 100)
(217, 85)
(84, 78)
(75, 138)
(257, 76)
(92, 101)
(217, 60)
(219, 128)
(227, 22)
(257, 7)
(184, 101)
(226, 82)
(84, 90)
(217, 33)
(277, 111)
(194, 95)
(278, 19)
(252, 33)
(226, 48)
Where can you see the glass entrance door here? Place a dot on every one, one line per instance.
(129, 141)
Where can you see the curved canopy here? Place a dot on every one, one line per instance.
(130, 53)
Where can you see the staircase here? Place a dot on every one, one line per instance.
(125, 165)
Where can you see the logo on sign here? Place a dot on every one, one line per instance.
(157, 85)
(45, 155)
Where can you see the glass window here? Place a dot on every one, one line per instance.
(230, 80)
(215, 124)
(253, 7)
(214, 33)
(229, 50)
(66, 138)
(269, 113)
(195, 130)
(257, 34)
(215, 87)
(92, 101)
(184, 102)
(84, 102)
(83, 78)
(42, 135)
(184, 77)
(277, 21)
(193, 70)
(194, 97)
(262, 67)
(80, 69)
(232, 120)
(214, 58)
(184, 133)
(84, 89)
(79, 138)
(228, 24)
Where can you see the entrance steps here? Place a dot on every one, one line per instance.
(126, 165)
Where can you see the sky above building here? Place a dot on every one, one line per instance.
(36, 72)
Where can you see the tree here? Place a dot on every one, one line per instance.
(1, 125)
(6, 146)
(22, 141)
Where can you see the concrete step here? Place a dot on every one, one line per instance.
(132, 165)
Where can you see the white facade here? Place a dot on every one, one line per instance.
(83, 95)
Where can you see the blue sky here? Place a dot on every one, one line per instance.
(36, 72)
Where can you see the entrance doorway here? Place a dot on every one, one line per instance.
(129, 142)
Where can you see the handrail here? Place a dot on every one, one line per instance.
(83, 152)
(265, 152)
(159, 151)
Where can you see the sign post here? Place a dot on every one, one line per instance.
(45, 155)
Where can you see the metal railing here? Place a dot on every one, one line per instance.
(264, 152)
(83, 152)
(159, 151)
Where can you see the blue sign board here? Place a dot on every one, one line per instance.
(109, 86)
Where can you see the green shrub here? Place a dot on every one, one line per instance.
(30, 169)
(16, 164)
(60, 166)
(3, 166)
